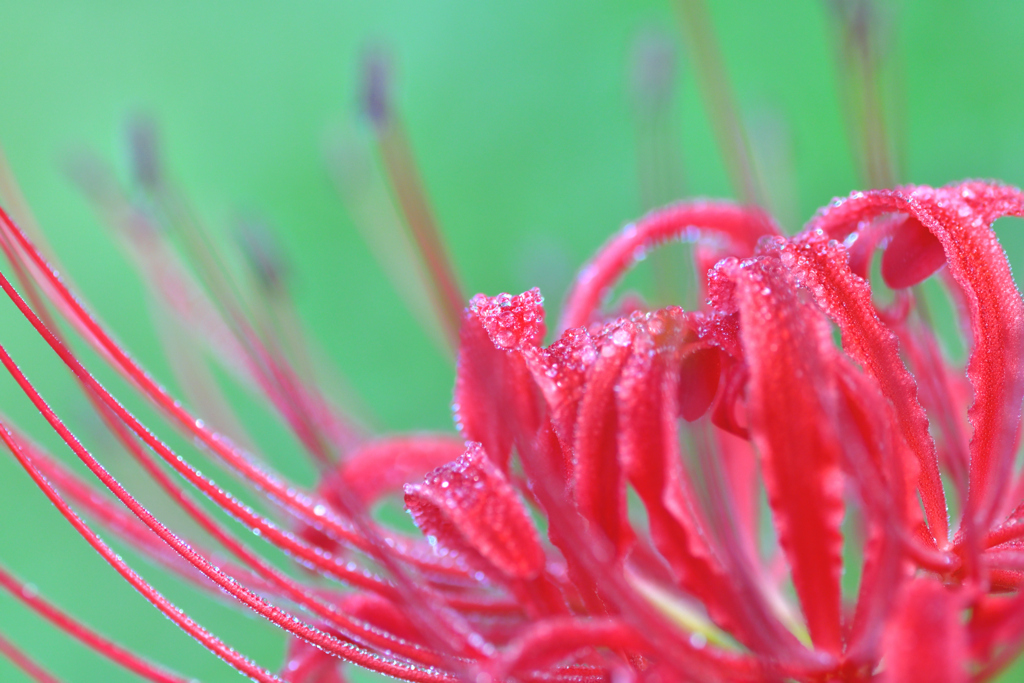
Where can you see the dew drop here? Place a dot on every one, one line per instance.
(504, 338)
(588, 355)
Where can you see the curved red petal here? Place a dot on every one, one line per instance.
(960, 217)
(560, 372)
(846, 298)
(494, 401)
(469, 506)
(871, 444)
(735, 228)
(912, 256)
(649, 446)
(699, 375)
(791, 399)
(378, 468)
(548, 642)
(598, 482)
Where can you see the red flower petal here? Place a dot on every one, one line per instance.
(699, 374)
(511, 322)
(732, 229)
(598, 483)
(912, 256)
(650, 454)
(378, 468)
(926, 641)
(871, 449)
(960, 217)
(560, 373)
(494, 401)
(469, 507)
(791, 399)
(846, 298)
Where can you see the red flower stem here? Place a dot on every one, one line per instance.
(199, 323)
(365, 537)
(330, 565)
(279, 580)
(111, 517)
(104, 344)
(408, 189)
(239, 511)
(12, 196)
(230, 585)
(116, 427)
(173, 283)
(284, 585)
(171, 611)
(25, 663)
(226, 294)
(104, 646)
(305, 507)
(103, 510)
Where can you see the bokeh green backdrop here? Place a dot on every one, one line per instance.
(521, 121)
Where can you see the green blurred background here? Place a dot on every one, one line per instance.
(524, 124)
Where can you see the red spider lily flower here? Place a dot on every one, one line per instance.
(600, 517)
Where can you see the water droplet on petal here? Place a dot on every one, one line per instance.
(504, 338)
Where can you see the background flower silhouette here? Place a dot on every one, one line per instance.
(523, 126)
